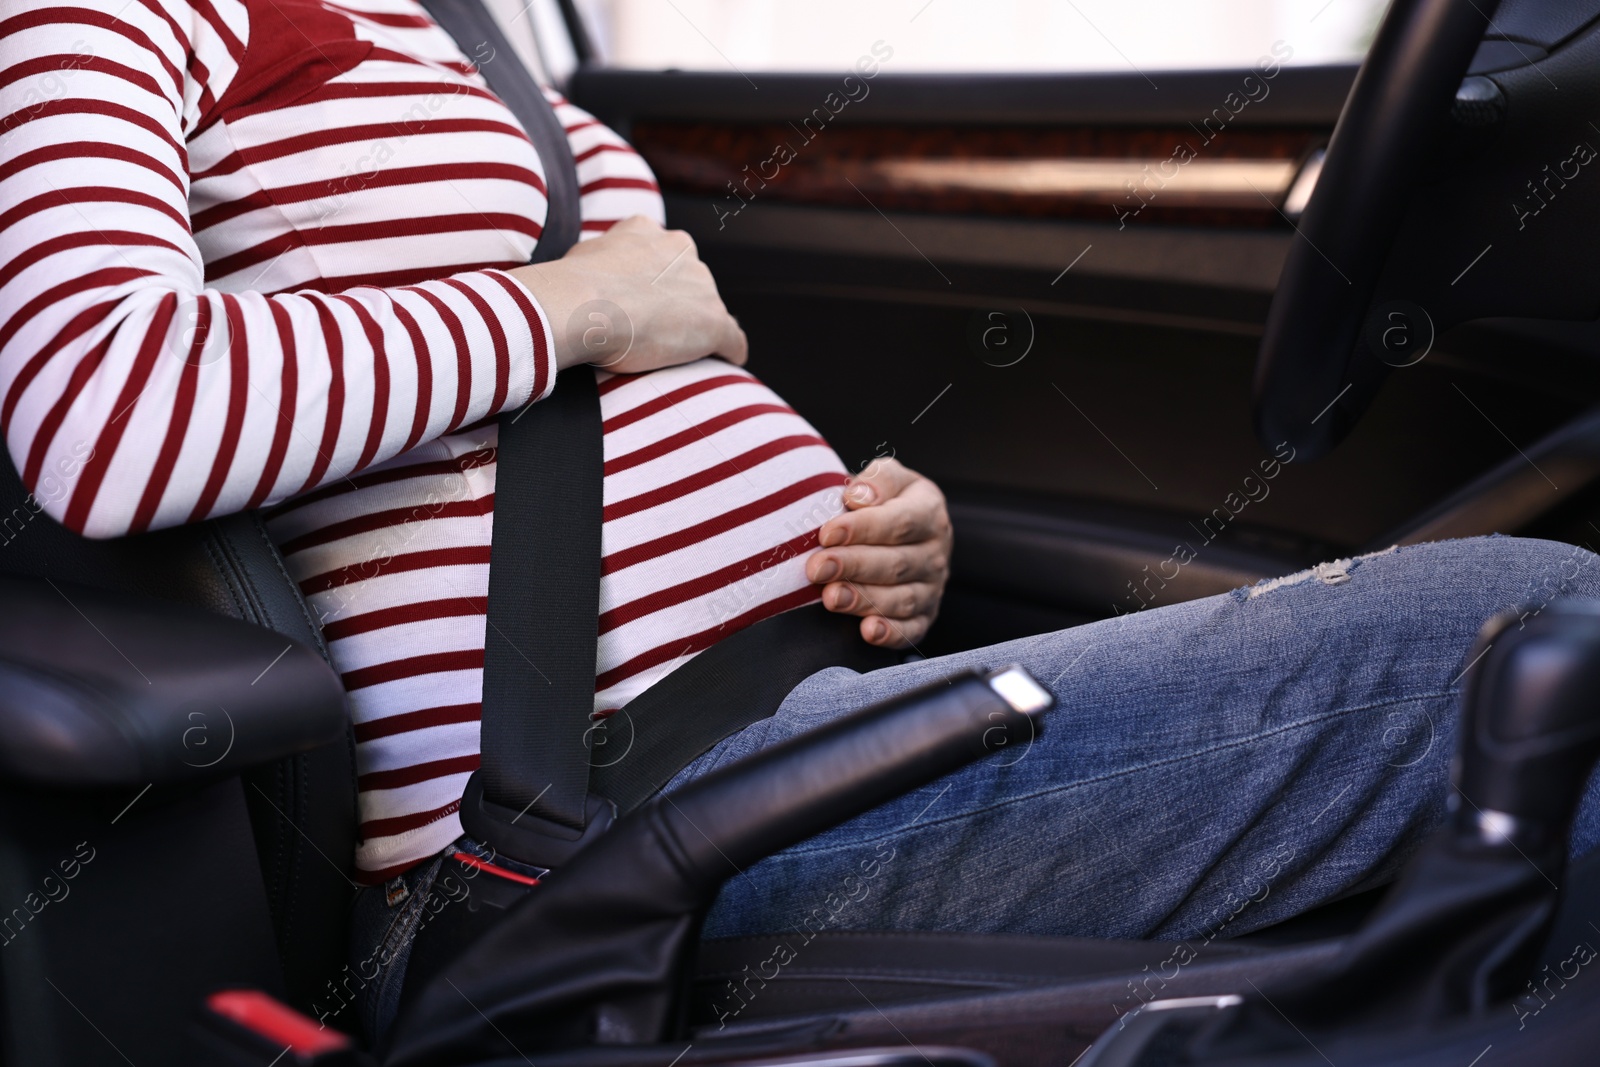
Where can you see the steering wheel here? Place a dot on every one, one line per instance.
(1316, 373)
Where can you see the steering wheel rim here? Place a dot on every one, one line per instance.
(1315, 373)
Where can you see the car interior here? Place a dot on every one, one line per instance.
(1372, 323)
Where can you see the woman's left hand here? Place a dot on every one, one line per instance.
(887, 558)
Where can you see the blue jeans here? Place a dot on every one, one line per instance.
(1210, 768)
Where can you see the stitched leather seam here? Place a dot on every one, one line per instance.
(941, 977)
(213, 551)
(299, 601)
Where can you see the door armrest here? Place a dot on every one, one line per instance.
(101, 689)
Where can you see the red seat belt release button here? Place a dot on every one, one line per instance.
(258, 1021)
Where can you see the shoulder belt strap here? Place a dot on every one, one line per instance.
(544, 581)
(479, 36)
(532, 796)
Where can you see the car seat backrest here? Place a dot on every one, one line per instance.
(302, 809)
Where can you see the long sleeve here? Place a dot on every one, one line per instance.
(132, 394)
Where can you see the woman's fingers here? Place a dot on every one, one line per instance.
(884, 479)
(895, 633)
(880, 564)
(735, 346)
(903, 601)
(916, 513)
(893, 616)
(887, 558)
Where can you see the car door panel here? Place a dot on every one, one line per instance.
(1073, 367)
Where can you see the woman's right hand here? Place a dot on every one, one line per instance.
(634, 299)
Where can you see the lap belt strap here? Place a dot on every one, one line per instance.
(737, 681)
(550, 777)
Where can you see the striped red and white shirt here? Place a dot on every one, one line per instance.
(251, 256)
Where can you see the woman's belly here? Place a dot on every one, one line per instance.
(714, 491)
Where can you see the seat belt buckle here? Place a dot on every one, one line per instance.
(528, 838)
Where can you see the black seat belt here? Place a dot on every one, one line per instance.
(544, 574)
(532, 797)
(480, 38)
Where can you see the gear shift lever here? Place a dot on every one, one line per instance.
(1530, 729)
(1462, 928)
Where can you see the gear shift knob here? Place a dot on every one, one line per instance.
(1530, 725)
(1460, 931)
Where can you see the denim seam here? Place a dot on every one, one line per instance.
(969, 813)
(402, 932)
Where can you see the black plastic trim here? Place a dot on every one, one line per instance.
(101, 689)
(1310, 96)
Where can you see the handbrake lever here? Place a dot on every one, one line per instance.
(782, 795)
(600, 952)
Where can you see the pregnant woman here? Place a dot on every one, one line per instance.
(272, 254)
(183, 163)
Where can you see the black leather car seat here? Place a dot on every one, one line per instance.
(302, 808)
